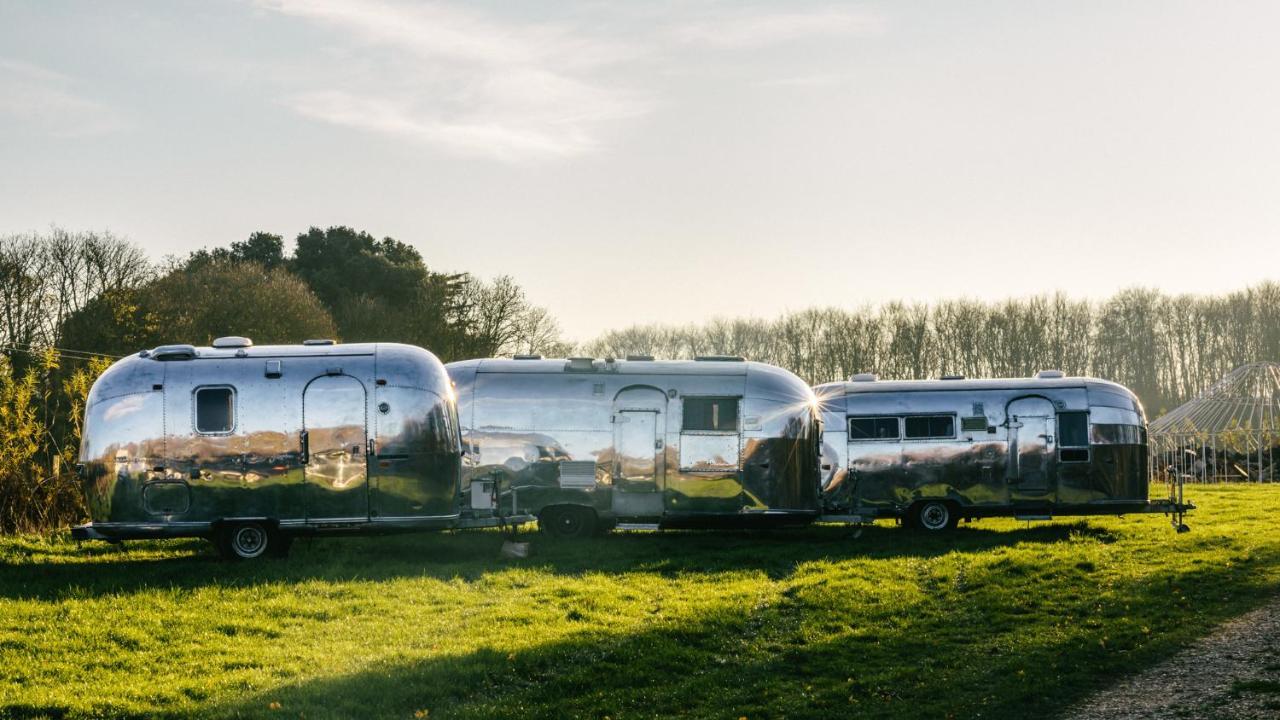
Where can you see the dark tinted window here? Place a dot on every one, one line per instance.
(1117, 435)
(873, 428)
(215, 410)
(1073, 429)
(719, 414)
(1073, 455)
(931, 426)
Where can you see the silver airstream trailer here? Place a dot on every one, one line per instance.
(250, 446)
(931, 452)
(588, 444)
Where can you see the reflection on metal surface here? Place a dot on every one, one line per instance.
(701, 452)
(333, 417)
(1011, 459)
(1031, 428)
(634, 455)
(525, 420)
(153, 465)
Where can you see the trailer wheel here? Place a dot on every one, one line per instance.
(568, 521)
(934, 516)
(245, 541)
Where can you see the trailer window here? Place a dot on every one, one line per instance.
(711, 414)
(1114, 434)
(930, 426)
(873, 428)
(215, 409)
(1073, 429)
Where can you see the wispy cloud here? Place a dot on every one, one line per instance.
(462, 81)
(46, 100)
(516, 89)
(742, 30)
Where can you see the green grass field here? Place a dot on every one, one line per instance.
(997, 620)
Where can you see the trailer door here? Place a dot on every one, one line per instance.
(638, 452)
(334, 440)
(1031, 451)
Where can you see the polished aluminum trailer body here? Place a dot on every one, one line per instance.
(704, 443)
(1032, 447)
(322, 437)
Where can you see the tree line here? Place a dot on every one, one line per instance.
(1167, 348)
(70, 302)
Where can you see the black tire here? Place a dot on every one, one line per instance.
(934, 516)
(568, 521)
(245, 541)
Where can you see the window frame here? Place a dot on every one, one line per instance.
(737, 428)
(849, 428)
(928, 438)
(195, 409)
(1074, 450)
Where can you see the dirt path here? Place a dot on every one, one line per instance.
(1232, 674)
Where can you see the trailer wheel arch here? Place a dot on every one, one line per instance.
(568, 520)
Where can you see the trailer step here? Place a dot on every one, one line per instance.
(845, 519)
(1029, 518)
(637, 526)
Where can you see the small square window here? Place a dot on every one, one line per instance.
(711, 414)
(1073, 429)
(215, 410)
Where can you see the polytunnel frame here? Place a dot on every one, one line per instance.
(1228, 433)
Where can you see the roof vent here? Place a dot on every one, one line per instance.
(951, 377)
(639, 358)
(720, 358)
(580, 364)
(864, 377)
(526, 357)
(174, 352)
(319, 341)
(1049, 374)
(232, 341)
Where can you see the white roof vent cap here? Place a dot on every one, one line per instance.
(1049, 374)
(232, 341)
(864, 377)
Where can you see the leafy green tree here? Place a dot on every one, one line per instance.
(40, 421)
(212, 299)
(380, 289)
(262, 248)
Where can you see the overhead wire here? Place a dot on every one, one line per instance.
(65, 352)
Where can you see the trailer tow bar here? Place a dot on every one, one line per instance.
(1179, 514)
(512, 547)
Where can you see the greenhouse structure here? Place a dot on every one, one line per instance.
(1229, 433)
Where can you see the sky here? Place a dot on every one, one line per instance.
(669, 162)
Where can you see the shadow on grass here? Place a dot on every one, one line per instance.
(79, 570)
(952, 653)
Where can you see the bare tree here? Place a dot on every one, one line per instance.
(1165, 348)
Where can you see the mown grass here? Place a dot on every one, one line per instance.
(998, 620)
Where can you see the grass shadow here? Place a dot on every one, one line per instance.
(61, 570)
(954, 655)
